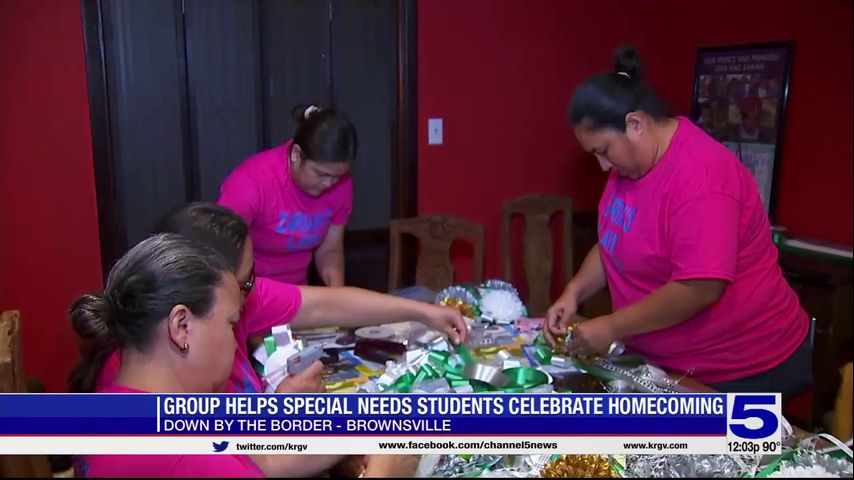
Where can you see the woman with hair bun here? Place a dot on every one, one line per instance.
(297, 197)
(170, 305)
(684, 248)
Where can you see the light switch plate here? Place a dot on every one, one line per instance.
(434, 131)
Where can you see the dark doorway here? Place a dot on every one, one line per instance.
(182, 91)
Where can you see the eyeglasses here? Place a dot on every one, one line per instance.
(246, 286)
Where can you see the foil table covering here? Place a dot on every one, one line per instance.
(690, 466)
(481, 466)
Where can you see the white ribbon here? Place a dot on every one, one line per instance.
(309, 111)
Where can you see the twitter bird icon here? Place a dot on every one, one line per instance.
(220, 447)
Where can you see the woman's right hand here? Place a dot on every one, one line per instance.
(560, 315)
(309, 380)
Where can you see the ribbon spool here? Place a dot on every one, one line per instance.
(375, 333)
(486, 374)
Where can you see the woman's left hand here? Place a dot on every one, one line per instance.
(592, 336)
(447, 320)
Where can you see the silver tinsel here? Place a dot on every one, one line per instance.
(491, 466)
(457, 291)
(493, 284)
(642, 378)
(456, 465)
(835, 467)
(690, 466)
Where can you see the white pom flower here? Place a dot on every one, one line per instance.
(502, 306)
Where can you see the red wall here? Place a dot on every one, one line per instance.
(500, 73)
(48, 221)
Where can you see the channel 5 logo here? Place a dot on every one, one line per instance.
(753, 416)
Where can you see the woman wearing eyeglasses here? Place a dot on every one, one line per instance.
(267, 303)
(172, 306)
(296, 198)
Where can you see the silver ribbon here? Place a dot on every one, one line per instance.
(464, 389)
(436, 385)
(486, 373)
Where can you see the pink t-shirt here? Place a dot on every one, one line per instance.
(164, 466)
(269, 304)
(285, 224)
(698, 215)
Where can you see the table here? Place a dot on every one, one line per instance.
(582, 383)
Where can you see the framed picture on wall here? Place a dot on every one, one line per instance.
(740, 95)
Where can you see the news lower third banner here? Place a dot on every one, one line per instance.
(390, 424)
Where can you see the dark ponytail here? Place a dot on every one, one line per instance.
(142, 288)
(324, 135)
(604, 99)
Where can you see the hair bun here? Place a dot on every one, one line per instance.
(91, 317)
(628, 63)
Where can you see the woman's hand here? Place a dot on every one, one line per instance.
(447, 320)
(309, 380)
(593, 336)
(560, 315)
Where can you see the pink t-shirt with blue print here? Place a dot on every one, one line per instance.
(269, 304)
(286, 224)
(698, 215)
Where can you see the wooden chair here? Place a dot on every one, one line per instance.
(12, 380)
(842, 415)
(538, 247)
(435, 235)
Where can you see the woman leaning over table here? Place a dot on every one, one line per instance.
(684, 248)
(171, 304)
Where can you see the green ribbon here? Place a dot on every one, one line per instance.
(458, 383)
(481, 387)
(438, 358)
(524, 378)
(465, 354)
(270, 345)
(541, 339)
(426, 372)
(403, 384)
(439, 365)
(441, 362)
(543, 354)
